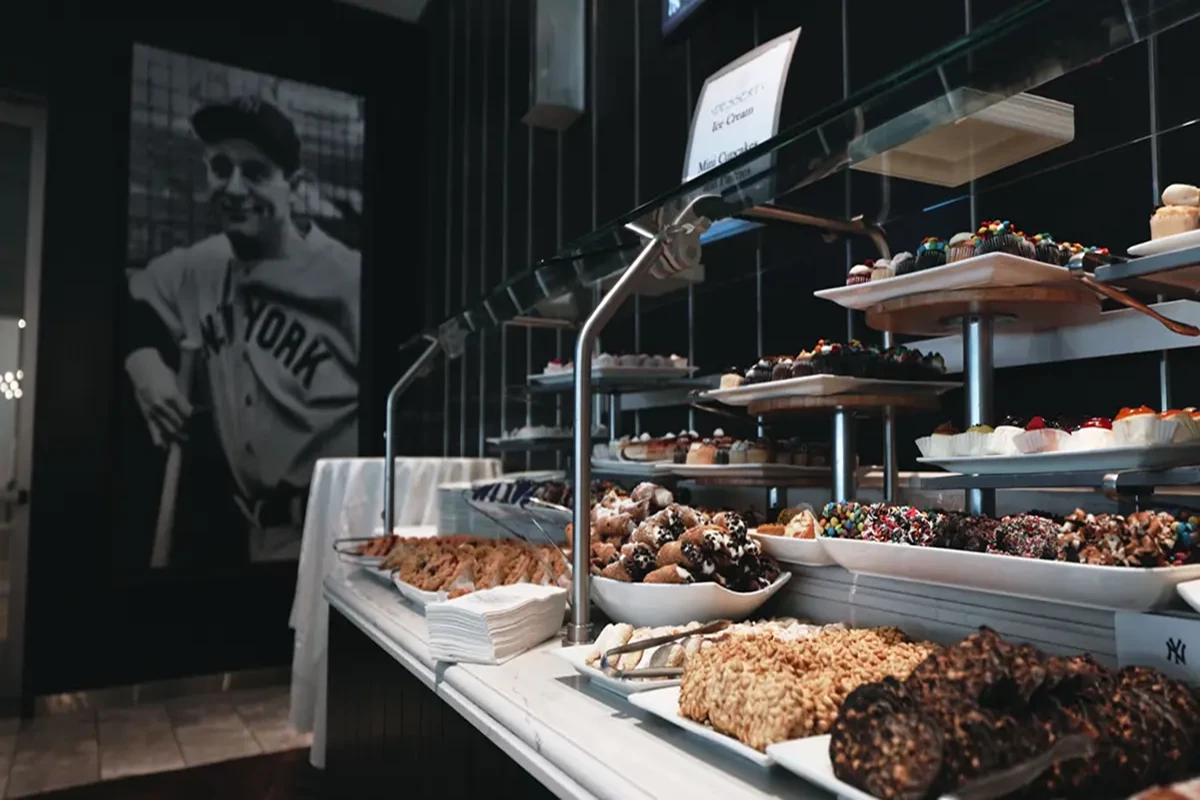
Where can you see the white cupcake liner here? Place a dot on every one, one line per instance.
(1141, 430)
(971, 443)
(1091, 439)
(935, 446)
(1187, 427)
(1045, 440)
(1002, 440)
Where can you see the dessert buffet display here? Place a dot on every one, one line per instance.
(628, 368)
(1105, 561)
(1131, 427)
(985, 705)
(588, 660)
(746, 693)
(1135, 438)
(993, 236)
(996, 255)
(688, 447)
(444, 567)
(529, 432)
(853, 359)
(628, 361)
(646, 536)
(656, 562)
(796, 686)
(1141, 539)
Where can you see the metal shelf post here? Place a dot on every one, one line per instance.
(978, 373)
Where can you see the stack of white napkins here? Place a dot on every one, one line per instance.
(493, 625)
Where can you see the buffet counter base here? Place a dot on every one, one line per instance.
(575, 739)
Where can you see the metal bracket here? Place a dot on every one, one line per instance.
(452, 337)
(421, 367)
(667, 251)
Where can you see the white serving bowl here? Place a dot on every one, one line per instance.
(790, 550)
(646, 605)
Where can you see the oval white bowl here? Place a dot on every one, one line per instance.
(652, 604)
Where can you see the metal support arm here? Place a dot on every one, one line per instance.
(420, 367)
(664, 253)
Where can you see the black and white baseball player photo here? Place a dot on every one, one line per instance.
(259, 311)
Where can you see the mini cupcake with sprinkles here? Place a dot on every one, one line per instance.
(1047, 250)
(931, 253)
(1000, 237)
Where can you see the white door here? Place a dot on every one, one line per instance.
(22, 178)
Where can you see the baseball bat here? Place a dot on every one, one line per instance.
(170, 486)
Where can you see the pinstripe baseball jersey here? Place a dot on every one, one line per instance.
(279, 343)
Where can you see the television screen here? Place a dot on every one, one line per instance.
(675, 12)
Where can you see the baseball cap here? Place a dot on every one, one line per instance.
(255, 120)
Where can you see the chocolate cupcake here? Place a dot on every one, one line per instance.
(1000, 237)
(1046, 250)
(802, 365)
(903, 263)
(931, 253)
(761, 371)
(827, 358)
(782, 369)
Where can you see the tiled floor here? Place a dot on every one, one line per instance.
(72, 749)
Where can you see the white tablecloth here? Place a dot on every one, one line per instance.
(346, 499)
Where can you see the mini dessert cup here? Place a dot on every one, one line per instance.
(962, 245)
(1180, 211)
(881, 270)
(859, 273)
(931, 253)
(999, 237)
(1046, 250)
(1042, 440)
(903, 263)
(1094, 434)
(938, 445)
(1002, 440)
(1141, 427)
(1187, 426)
(975, 441)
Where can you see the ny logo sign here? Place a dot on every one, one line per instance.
(1177, 651)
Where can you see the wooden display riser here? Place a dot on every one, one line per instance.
(1014, 308)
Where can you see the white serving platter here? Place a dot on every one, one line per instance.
(1190, 592)
(809, 758)
(763, 471)
(1105, 458)
(384, 575)
(991, 270)
(1116, 588)
(416, 596)
(664, 703)
(824, 386)
(631, 469)
(788, 550)
(577, 658)
(615, 373)
(650, 605)
(1166, 244)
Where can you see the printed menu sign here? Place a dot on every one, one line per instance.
(739, 107)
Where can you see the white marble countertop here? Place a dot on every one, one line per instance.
(579, 740)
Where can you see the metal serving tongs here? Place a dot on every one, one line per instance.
(504, 523)
(655, 671)
(1007, 781)
(1075, 268)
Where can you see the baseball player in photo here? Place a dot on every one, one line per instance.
(270, 307)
